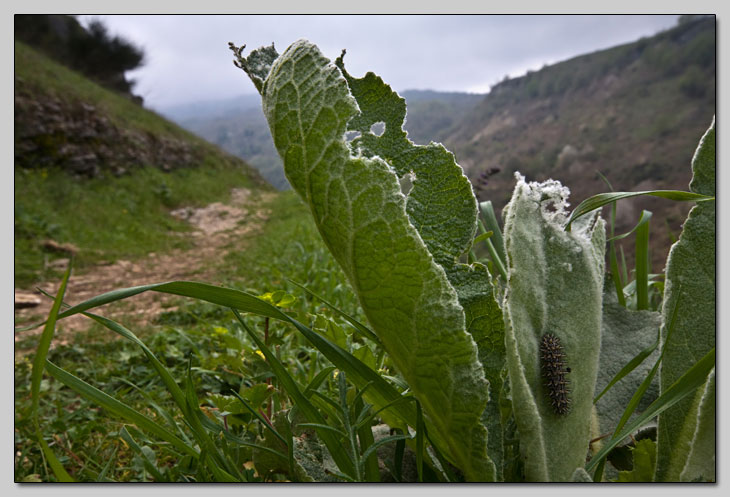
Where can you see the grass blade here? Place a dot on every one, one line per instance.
(400, 449)
(613, 259)
(636, 398)
(37, 374)
(55, 464)
(367, 440)
(118, 408)
(684, 386)
(197, 421)
(364, 330)
(597, 201)
(380, 393)
(642, 219)
(44, 345)
(634, 402)
(383, 441)
(493, 252)
(324, 427)
(149, 465)
(629, 367)
(642, 262)
(491, 223)
(259, 416)
(344, 463)
(420, 429)
(318, 380)
(164, 374)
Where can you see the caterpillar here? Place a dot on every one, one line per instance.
(554, 370)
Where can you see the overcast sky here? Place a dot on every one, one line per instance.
(187, 57)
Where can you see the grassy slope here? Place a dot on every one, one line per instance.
(106, 217)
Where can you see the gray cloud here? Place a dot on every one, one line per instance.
(188, 59)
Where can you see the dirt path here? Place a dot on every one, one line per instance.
(215, 225)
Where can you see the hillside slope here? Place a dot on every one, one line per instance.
(634, 112)
(97, 175)
(239, 126)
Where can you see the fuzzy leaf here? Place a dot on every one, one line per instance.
(700, 464)
(555, 286)
(361, 214)
(690, 276)
(580, 475)
(624, 334)
(442, 207)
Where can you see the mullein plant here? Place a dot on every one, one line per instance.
(500, 364)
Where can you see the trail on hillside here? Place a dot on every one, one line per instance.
(215, 226)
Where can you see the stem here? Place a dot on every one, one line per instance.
(268, 380)
(618, 284)
(493, 252)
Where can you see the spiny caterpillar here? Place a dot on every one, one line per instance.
(552, 362)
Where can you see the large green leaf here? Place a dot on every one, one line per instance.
(555, 286)
(691, 267)
(625, 335)
(442, 207)
(396, 259)
(700, 465)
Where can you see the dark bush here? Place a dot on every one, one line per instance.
(93, 52)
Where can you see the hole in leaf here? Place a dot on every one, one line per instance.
(406, 183)
(378, 128)
(351, 135)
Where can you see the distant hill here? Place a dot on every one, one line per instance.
(634, 112)
(239, 126)
(432, 115)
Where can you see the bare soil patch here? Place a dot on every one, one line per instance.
(215, 226)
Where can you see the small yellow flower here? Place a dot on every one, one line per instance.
(220, 330)
(261, 354)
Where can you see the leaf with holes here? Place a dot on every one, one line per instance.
(399, 253)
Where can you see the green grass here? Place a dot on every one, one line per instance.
(289, 248)
(109, 218)
(87, 439)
